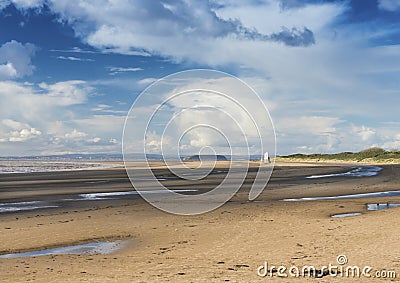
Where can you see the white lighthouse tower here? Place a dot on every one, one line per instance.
(266, 158)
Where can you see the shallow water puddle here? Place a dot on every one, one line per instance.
(365, 195)
(24, 206)
(370, 207)
(343, 215)
(381, 206)
(110, 195)
(35, 205)
(91, 248)
(362, 171)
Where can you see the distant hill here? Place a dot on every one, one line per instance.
(374, 154)
(205, 158)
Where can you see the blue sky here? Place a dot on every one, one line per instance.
(70, 70)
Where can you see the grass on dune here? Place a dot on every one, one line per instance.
(368, 155)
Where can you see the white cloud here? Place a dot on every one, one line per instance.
(81, 138)
(118, 70)
(101, 107)
(75, 50)
(24, 135)
(164, 26)
(14, 125)
(26, 108)
(22, 4)
(15, 60)
(327, 96)
(20, 132)
(104, 108)
(154, 142)
(28, 111)
(315, 125)
(75, 135)
(7, 71)
(364, 132)
(269, 17)
(73, 58)
(67, 93)
(122, 69)
(106, 125)
(26, 4)
(389, 5)
(186, 118)
(146, 81)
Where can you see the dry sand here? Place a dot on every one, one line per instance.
(225, 245)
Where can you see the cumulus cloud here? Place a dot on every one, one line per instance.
(7, 71)
(96, 139)
(15, 60)
(389, 5)
(392, 143)
(24, 135)
(317, 89)
(28, 111)
(20, 132)
(75, 135)
(67, 93)
(195, 119)
(106, 125)
(14, 125)
(364, 132)
(37, 105)
(142, 27)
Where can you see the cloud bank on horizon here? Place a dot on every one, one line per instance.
(70, 70)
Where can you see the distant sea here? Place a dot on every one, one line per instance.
(32, 164)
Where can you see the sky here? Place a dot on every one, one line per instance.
(70, 69)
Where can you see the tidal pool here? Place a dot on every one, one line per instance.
(361, 171)
(343, 215)
(350, 196)
(90, 248)
(381, 206)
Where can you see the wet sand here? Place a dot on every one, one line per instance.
(225, 245)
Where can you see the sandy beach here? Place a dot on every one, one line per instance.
(225, 245)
